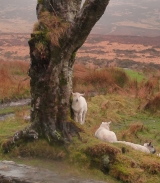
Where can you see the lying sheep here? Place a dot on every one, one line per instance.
(103, 133)
(79, 106)
(147, 147)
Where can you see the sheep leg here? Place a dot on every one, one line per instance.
(83, 117)
(76, 116)
(80, 118)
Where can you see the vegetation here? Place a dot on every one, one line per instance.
(14, 82)
(111, 94)
(135, 75)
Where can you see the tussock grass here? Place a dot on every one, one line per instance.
(55, 27)
(99, 81)
(132, 131)
(14, 82)
(154, 104)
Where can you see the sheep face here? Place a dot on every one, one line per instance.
(106, 125)
(150, 147)
(76, 96)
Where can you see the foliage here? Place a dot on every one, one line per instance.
(14, 82)
(100, 81)
(154, 104)
(134, 75)
(54, 26)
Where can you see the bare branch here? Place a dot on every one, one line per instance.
(90, 13)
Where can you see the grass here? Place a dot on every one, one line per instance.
(118, 99)
(86, 157)
(14, 82)
(134, 75)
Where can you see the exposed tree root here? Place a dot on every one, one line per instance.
(29, 134)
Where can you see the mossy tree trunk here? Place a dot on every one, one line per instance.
(61, 32)
(63, 26)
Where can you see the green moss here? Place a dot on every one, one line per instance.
(62, 80)
(40, 1)
(73, 56)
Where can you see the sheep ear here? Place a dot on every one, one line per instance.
(150, 143)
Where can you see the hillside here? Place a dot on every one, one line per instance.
(121, 51)
(97, 51)
(140, 18)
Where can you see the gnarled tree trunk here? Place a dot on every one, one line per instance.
(63, 26)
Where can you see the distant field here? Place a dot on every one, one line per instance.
(98, 51)
(122, 51)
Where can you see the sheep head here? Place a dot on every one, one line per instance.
(150, 147)
(106, 125)
(76, 96)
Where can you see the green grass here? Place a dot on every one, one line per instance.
(134, 75)
(9, 110)
(84, 157)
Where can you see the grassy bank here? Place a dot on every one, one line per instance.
(112, 95)
(86, 157)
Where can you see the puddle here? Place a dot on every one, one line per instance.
(16, 103)
(12, 170)
(4, 116)
(21, 102)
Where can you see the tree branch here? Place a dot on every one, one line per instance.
(87, 17)
(66, 9)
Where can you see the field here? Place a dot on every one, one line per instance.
(128, 99)
(98, 51)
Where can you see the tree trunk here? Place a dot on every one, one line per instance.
(51, 86)
(62, 28)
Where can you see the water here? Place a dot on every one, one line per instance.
(21, 102)
(12, 170)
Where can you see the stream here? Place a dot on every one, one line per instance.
(21, 102)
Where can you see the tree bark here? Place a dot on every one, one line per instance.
(52, 62)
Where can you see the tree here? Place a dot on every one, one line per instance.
(62, 28)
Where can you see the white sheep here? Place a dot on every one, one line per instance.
(147, 147)
(103, 133)
(79, 106)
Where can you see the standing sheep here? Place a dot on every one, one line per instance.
(103, 133)
(79, 106)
